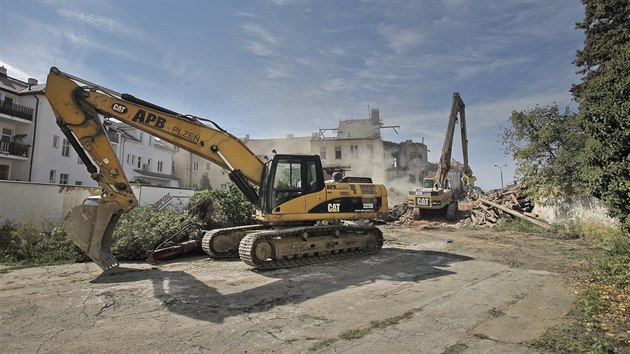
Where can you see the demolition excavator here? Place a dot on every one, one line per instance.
(303, 218)
(437, 193)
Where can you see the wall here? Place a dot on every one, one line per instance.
(46, 204)
(39, 203)
(163, 197)
(576, 209)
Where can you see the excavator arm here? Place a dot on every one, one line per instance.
(444, 165)
(78, 105)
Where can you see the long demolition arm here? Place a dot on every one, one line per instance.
(447, 149)
(77, 109)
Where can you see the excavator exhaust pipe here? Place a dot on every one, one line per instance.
(91, 228)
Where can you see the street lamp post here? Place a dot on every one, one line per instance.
(501, 170)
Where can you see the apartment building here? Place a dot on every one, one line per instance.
(33, 148)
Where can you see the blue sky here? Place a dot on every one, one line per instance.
(272, 68)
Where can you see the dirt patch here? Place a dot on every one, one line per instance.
(431, 291)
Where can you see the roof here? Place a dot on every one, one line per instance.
(11, 84)
(33, 89)
(19, 87)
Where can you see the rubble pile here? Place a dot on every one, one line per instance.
(398, 211)
(402, 214)
(486, 210)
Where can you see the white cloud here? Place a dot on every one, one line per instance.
(259, 49)
(100, 23)
(276, 72)
(400, 40)
(260, 32)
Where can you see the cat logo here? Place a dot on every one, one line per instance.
(117, 107)
(333, 207)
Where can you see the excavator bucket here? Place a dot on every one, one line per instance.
(91, 228)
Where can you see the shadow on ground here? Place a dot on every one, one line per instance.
(186, 295)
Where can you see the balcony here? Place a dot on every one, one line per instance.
(14, 149)
(15, 110)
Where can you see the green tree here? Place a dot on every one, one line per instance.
(143, 229)
(221, 207)
(204, 184)
(547, 146)
(604, 98)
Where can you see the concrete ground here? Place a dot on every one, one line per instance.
(427, 291)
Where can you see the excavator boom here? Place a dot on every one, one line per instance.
(78, 108)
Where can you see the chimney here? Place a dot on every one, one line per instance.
(32, 81)
(375, 116)
(3, 71)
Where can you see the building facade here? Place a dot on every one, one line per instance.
(354, 148)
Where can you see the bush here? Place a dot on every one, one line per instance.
(27, 245)
(222, 207)
(139, 231)
(143, 229)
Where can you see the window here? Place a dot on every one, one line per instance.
(208, 166)
(322, 152)
(78, 183)
(63, 178)
(338, 152)
(133, 159)
(354, 151)
(5, 140)
(287, 183)
(79, 161)
(195, 166)
(56, 141)
(6, 135)
(65, 148)
(148, 162)
(159, 167)
(139, 161)
(128, 159)
(53, 176)
(4, 172)
(370, 148)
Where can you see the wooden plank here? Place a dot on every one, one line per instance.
(515, 213)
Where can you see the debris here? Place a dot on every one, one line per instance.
(398, 210)
(489, 208)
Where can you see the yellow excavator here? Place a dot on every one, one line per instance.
(303, 218)
(436, 193)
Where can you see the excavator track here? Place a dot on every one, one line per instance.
(301, 246)
(224, 243)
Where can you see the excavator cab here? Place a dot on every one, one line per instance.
(287, 177)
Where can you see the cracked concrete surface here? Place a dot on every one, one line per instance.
(426, 291)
